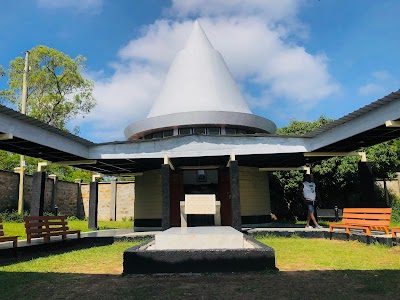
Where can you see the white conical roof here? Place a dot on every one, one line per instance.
(198, 80)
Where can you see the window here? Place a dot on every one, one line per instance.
(213, 130)
(230, 130)
(185, 130)
(199, 130)
(201, 176)
(168, 133)
(157, 135)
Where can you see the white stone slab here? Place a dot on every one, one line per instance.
(200, 204)
(204, 237)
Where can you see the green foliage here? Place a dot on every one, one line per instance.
(127, 219)
(9, 161)
(336, 178)
(396, 210)
(72, 218)
(385, 158)
(13, 216)
(57, 92)
(302, 127)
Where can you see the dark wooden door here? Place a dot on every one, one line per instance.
(177, 194)
(224, 195)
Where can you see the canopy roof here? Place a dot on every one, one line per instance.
(364, 127)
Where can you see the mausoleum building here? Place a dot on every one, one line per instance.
(200, 138)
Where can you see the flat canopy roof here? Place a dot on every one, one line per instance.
(365, 127)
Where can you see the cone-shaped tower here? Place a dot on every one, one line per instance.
(199, 91)
(198, 80)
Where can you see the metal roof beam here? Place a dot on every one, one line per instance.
(167, 161)
(6, 136)
(21, 128)
(363, 155)
(232, 157)
(303, 168)
(391, 123)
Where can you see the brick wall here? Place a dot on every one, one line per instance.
(67, 197)
(124, 202)
(8, 190)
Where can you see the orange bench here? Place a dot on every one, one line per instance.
(394, 231)
(45, 227)
(365, 219)
(3, 238)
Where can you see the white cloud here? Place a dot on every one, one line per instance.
(379, 84)
(122, 99)
(381, 75)
(254, 37)
(371, 89)
(87, 6)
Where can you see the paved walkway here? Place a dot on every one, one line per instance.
(281, 229)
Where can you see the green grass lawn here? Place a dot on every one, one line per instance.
(297, 253)
(318, 268)
(11, 228)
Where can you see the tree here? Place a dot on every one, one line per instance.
(57, 91)
(337, 177)
(302, 127)
(385, 162)
(284, 185)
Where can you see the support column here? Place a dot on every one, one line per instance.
(53, 193)
(367, 191)
(165, 189)
(113, 199)
(93, 205)
(235, 194)
(80, 212)
(38, 185)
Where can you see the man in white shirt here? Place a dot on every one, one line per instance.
(308, 193)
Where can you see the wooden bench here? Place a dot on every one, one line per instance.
(4, 238)
(394, 231)
(45, 227)
(365, 219)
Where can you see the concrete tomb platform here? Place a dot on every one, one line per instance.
(199, 250)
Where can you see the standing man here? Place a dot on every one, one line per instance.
(308, 193)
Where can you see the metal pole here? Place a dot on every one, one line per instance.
(22, 157)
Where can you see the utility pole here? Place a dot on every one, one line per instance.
(22, 157)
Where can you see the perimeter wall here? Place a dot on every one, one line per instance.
(72, 199)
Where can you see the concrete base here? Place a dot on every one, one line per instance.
(146, 258)
(204, 237)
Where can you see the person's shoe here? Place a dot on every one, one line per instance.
(307, 227)
(319, 227)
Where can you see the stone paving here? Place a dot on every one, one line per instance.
(278, 229)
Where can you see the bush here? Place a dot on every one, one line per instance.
(13, 216)
(396, 210)
(72, 218)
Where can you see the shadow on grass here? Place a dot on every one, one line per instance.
(348, 284)
(7, 256)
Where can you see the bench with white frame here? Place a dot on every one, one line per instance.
(200, 204)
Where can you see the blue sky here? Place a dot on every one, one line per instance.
(291, 58)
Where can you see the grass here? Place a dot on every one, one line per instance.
(308, 267)
(11, 228)
(321, 254)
